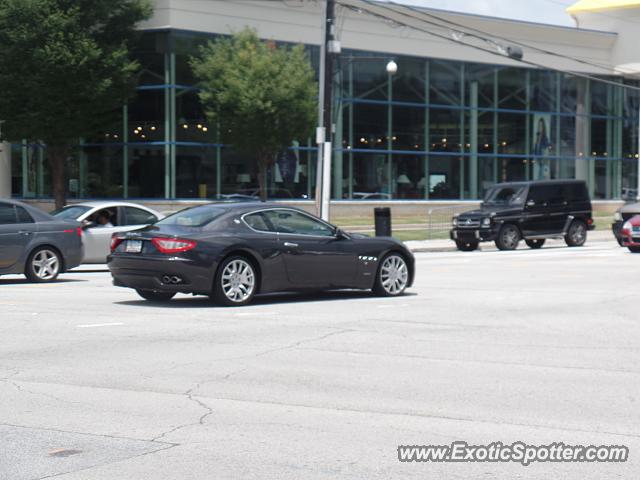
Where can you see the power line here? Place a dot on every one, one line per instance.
(514, 42)
(476, 47)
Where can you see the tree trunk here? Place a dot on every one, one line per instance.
(57, 155)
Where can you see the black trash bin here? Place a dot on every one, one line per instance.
(382, 217)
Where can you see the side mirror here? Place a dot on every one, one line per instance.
(340, 235)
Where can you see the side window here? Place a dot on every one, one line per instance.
(549, 194)
(23, 215)
(137, 216)
(576, 192)
(257, 221)
(7, 214)
(289, 221)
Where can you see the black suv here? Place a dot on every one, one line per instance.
(533, 211)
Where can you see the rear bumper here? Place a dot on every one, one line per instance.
(73, 257)
(170, 274)
(472, 234)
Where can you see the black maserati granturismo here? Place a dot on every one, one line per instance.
(233, 252)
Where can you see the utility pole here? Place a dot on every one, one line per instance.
(329, 48)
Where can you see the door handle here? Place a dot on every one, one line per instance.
(289, 244)
(24, 232)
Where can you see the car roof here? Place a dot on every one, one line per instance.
(105, 204)
(36, 213)
(245, 207)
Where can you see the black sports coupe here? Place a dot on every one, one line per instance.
(235, 251)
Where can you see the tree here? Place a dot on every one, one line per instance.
(65, 71)
(263, 95)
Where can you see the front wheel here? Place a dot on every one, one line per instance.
(155, 296)
(577, 234)
(393, 276)
(534, 244)
(235, 283)
(508, 237)
(466, 246)
(43, 265)
(634, 249)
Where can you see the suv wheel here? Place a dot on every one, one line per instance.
(466, 246)
(535, 244)
(577, 234)
(508, 238)
(43, 265)
(155, 296)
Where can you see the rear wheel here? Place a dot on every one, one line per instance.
(393, 276)
(466, 246)
(535, 244)
(634, 249)
(577, 234)
(508, 238)
(43, 265)
(236, 282)
(155, 296)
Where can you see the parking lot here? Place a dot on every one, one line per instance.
(537, 346)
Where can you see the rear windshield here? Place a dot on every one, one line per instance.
(193, 217)
(71, 212)
(507, 195)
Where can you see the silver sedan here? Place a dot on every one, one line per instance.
(102, 219)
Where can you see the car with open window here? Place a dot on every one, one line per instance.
(531, 211)
(233, 252)
(100, 220)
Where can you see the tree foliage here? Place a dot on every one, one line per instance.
(262, 95)
(65, 70)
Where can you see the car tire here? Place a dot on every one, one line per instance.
(634, 249)
(43, 265)
(236, 282)
(620, 241)
(466, 246)
(508, 238)
(535, 244)
(577, 234)
(156, 296)
(392, 277)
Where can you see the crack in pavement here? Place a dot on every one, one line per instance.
(201, 419)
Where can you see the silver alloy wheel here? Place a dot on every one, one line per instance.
(238, 280)
(510, 237)
(45, 264)
(578, 234)
(394, 274)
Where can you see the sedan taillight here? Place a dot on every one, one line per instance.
(173, 245)
(115, 241)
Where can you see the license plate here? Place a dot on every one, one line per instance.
(636, 229)
(133, 246)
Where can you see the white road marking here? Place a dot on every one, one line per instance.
(94, 325)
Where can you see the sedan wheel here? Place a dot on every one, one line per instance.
(393, 276)
(235, 283)
(43, 265)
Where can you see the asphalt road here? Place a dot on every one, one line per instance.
(538, 346)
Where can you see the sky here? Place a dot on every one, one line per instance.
(543, 11)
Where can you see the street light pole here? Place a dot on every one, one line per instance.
(329, 47)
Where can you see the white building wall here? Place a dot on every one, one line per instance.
(299, 21)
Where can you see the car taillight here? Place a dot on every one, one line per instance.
(173, 245)
(79, 231)
(590, 221)
(115, 241)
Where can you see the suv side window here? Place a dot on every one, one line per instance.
(7, 214)
(290, 221)
(23, 215)
(137, 216)
(576, 192)
(546, 194)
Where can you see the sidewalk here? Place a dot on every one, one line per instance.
(417, 246)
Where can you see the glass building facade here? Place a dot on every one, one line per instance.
(436, 130)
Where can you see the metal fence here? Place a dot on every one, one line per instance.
(439, 220)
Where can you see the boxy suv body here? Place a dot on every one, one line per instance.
(533, 211)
